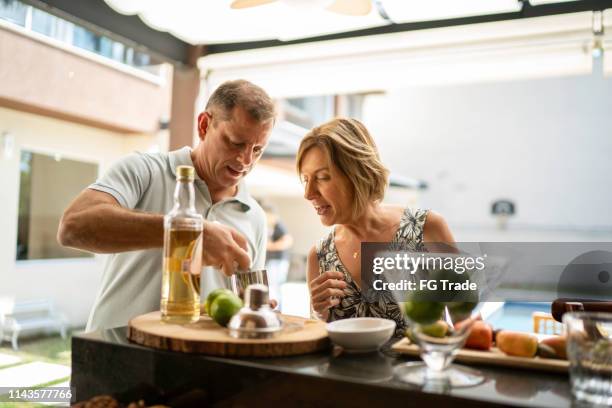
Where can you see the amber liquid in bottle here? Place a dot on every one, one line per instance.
(180, 295)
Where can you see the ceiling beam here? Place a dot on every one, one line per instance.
(101, 18)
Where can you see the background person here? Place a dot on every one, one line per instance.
(122, 213)
(277, 251)
(345, 182)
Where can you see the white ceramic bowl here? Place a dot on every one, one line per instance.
(361, 334)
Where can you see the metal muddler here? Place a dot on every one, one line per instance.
(255, 320)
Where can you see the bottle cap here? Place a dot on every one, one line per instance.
(185, 172)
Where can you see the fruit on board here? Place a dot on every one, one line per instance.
(480, 337)
(495, 331)
(224, 307)
(517, 344)
(423, 312)
(545, 351)
(557, 343)
(409, 333)
(437, 329)
(212, 296)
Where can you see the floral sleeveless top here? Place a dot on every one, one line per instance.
(409, 235)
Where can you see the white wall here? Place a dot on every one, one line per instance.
(71, 283)
(546, 144)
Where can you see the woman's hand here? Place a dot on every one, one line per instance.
(326, 291)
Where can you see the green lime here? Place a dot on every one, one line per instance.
(437, 329)
(423, 312)
(460, 310)
(224, 307)
(213, 295)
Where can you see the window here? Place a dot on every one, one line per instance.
(13, 11)
(311, 111)
(47, 184)
(81, 37)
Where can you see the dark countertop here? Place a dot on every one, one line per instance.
(105, 362)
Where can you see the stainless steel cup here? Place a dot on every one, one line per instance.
(239, 281)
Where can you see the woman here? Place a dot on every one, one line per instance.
(345, 182)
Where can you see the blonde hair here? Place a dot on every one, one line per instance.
(350, 149)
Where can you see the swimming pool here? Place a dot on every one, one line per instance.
(517, 315)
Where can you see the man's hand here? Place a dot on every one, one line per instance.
(224, 247)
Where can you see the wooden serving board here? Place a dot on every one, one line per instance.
(299, 336)
(493, 357)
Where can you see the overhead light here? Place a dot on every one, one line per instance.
(308, 4)
(347, 7)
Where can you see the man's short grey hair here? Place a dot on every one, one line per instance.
(253, 99)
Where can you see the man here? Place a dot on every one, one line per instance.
(122, 213)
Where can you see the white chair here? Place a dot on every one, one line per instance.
(33, 315)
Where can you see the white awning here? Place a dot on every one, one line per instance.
(505, 50)
(213, 21)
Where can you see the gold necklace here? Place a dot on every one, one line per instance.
(355, 254)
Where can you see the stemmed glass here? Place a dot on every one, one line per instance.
(439, 321)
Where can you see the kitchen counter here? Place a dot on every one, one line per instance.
(105, 362)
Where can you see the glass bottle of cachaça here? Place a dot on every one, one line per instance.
(180, 296)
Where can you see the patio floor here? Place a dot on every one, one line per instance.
(40, 361)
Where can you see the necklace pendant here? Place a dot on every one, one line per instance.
(355, 254)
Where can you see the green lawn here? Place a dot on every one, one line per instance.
(50, 349)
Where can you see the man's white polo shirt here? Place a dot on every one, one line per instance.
(131, 283)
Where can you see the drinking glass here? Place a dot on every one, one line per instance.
(439, 321)
(589, 349)
(438, 352)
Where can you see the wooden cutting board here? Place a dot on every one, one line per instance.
(299, 336)
(492, 357)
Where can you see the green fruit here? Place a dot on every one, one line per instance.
(224, 307)
(409, 332)
(460, 311)
(423, 312)
(437, 329)
(454, 279)
(212, 296)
